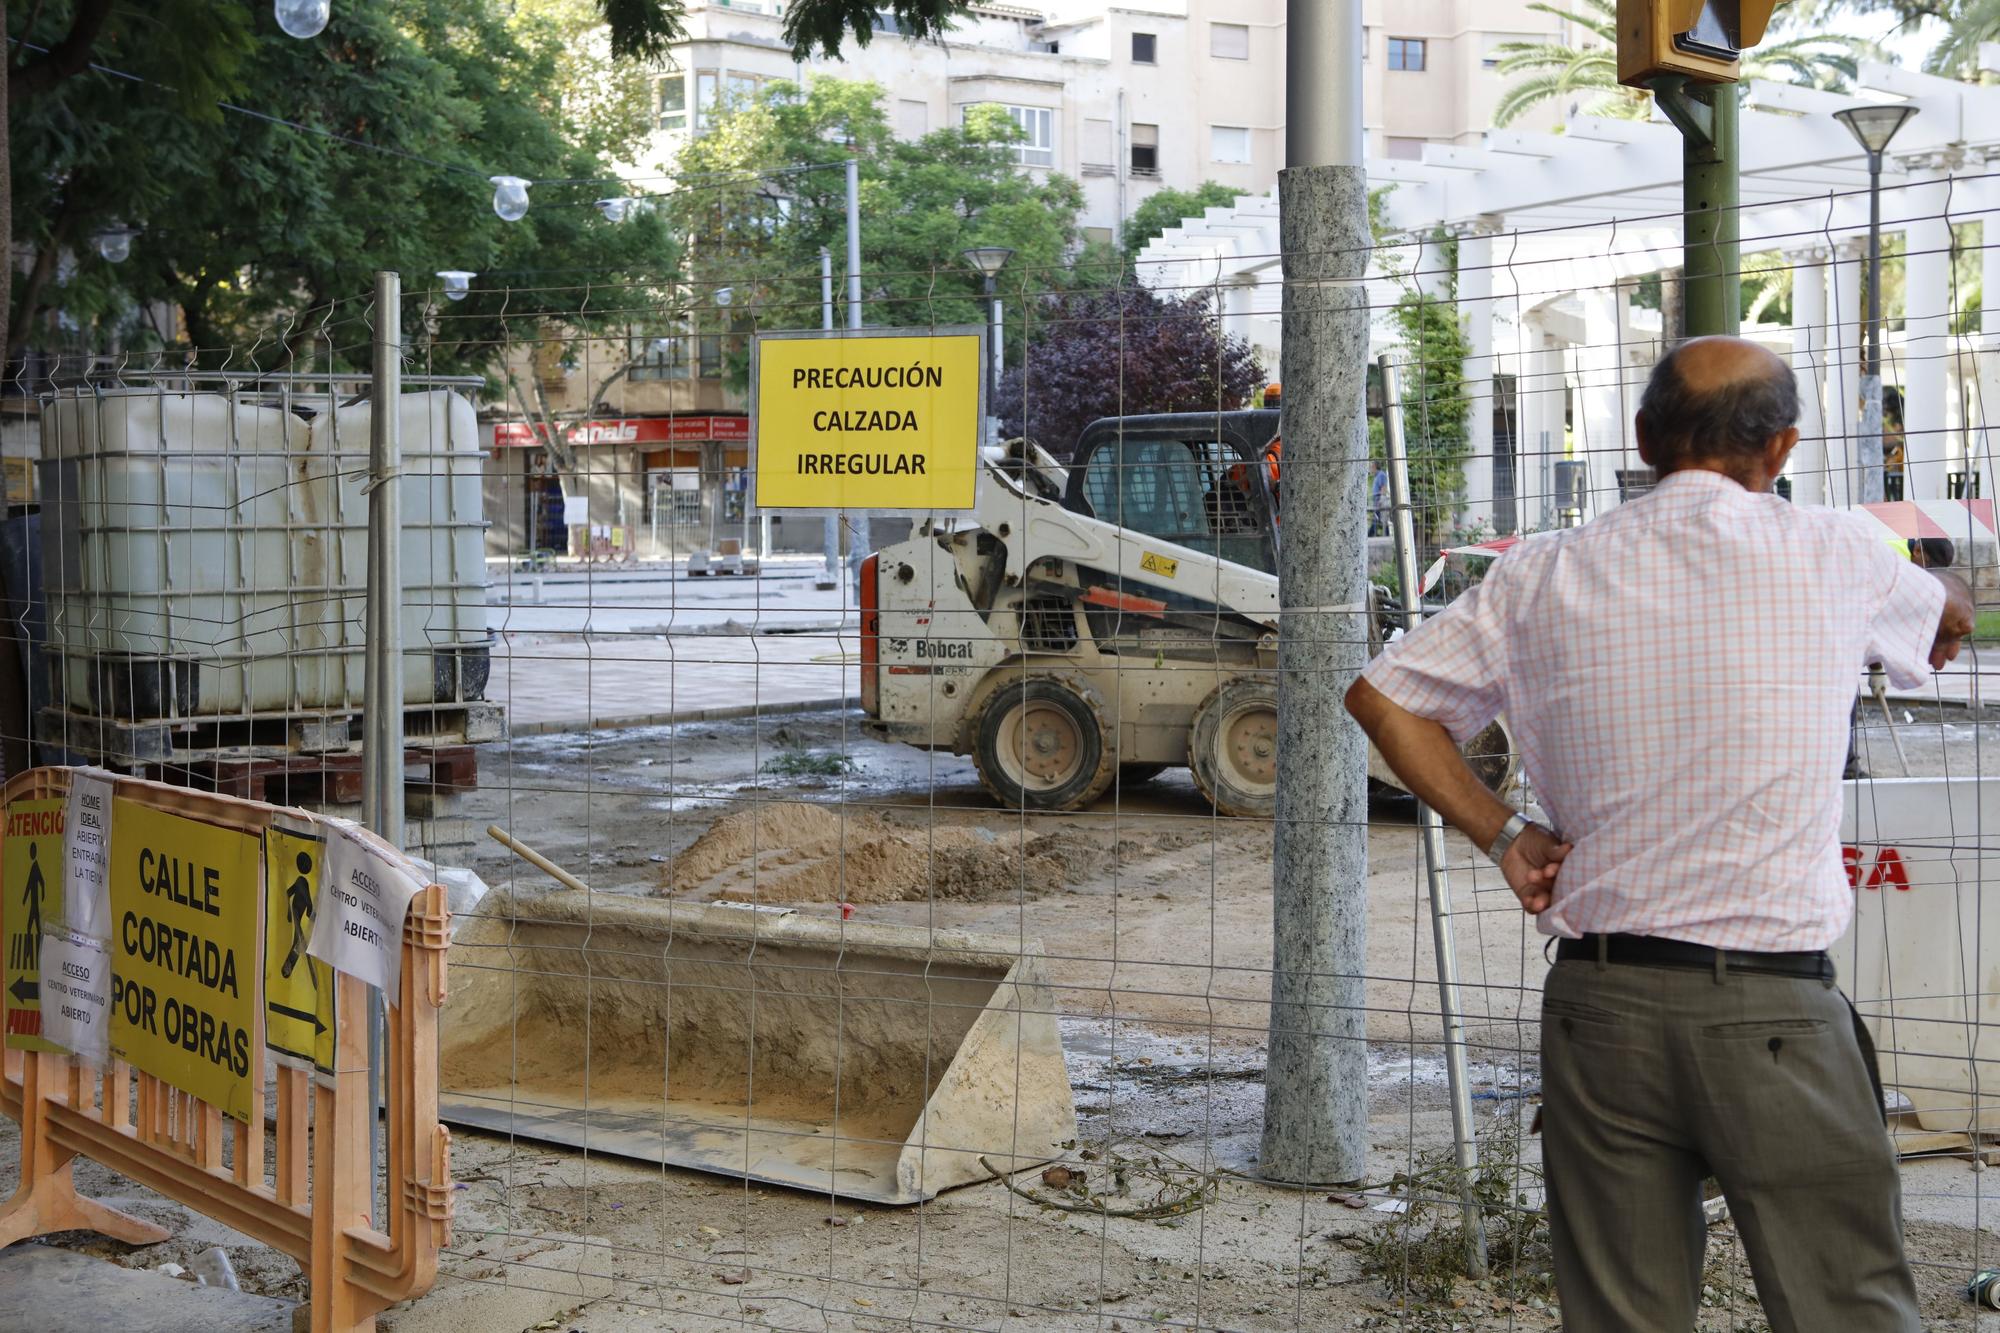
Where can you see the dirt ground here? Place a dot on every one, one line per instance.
(1154, 917)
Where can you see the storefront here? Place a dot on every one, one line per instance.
(650, 488)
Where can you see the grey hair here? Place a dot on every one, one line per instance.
(1732, 421)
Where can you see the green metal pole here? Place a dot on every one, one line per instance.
(1714, 301)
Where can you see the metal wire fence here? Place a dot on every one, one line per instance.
(882, 936)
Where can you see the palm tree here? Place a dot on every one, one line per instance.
(1553, 71)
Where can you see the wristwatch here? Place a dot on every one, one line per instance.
(1517, 824)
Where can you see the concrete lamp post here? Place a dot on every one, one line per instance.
(1873, 127)
(987, 261)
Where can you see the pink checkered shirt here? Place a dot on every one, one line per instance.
(1679, 674)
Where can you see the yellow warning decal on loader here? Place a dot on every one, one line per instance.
(1159, 564)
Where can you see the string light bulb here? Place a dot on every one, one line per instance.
(614, 210)
(455, 280)
(510, 197)
(302, 18)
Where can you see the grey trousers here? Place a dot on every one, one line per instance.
(1653, 1078)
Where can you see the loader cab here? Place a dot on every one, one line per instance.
(1197, 479)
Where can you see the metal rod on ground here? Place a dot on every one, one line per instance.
(535, 858)
(382, 700)
(1465, 1137)
(1316, 1084)
(830, 578)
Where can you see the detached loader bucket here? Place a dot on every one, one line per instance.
(871, 1062)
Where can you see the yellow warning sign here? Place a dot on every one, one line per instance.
(31, 878)
(868, 420)
(184, 913)
(1165, 566)
(298, 990)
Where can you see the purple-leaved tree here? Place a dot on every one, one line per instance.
(1117, 354)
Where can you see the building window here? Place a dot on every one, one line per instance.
(1145, 150)
(1229, 143)
(672, 100)
(1403, 149)
(708, 352)
(1229, 41)
(660, 358)
(1407, 53)
(1097, 149)
(1145, 48)
(1038, 124)
(1097, 235)
(913, 118)
(741, 90)
(706, 82)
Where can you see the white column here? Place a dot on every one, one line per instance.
(1926, 350)
(1541, 430)
(1475, 303)
(1809, 364)
(1985, 437)
(1843, 378)
(1602, 431)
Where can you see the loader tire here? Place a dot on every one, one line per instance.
(1040, 744)
(1233, 747)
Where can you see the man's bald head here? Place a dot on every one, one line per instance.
(1717, 403)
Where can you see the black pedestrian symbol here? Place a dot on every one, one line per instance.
(299, 910)
(27, 947)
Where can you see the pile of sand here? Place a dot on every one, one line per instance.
(793, 852)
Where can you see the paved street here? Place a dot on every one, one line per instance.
(632, 647)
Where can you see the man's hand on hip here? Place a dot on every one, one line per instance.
(1530, 866)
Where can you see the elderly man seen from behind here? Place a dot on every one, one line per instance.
(1679, 674)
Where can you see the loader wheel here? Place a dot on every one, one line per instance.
(1040, 745)
(1233, 747)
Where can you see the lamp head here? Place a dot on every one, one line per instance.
(988, 260)
(1873, 126)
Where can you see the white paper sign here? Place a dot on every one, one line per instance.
(86, 901)
(358, 921)
(76, 995)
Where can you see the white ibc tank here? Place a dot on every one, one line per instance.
(207, 558)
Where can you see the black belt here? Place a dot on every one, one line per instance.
(1653, 951)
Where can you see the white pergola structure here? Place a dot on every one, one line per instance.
(1556, 231)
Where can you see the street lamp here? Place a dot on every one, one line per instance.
(987, 261)
(1873, 127)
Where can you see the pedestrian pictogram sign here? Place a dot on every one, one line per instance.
(31, 877)
(184, 907)
(298, 989)
(880, 420)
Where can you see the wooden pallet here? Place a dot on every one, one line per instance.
(116, 742)
(320, 779)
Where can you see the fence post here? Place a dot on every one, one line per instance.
(1465, 1141)
(1316, 1084)
(382, 701)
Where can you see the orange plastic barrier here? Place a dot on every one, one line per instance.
(308, 1195)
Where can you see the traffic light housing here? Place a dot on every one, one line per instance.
(1701, 40)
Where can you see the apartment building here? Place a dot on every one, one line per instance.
(1125, 98)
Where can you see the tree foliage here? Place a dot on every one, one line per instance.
(1169, 208)
(764, 190)
(1121, 352)
(1437, 410)
(1583, 75)
(253, 231)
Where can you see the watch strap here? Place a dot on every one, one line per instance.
(1517, 824)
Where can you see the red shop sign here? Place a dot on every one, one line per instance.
(631, 430)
